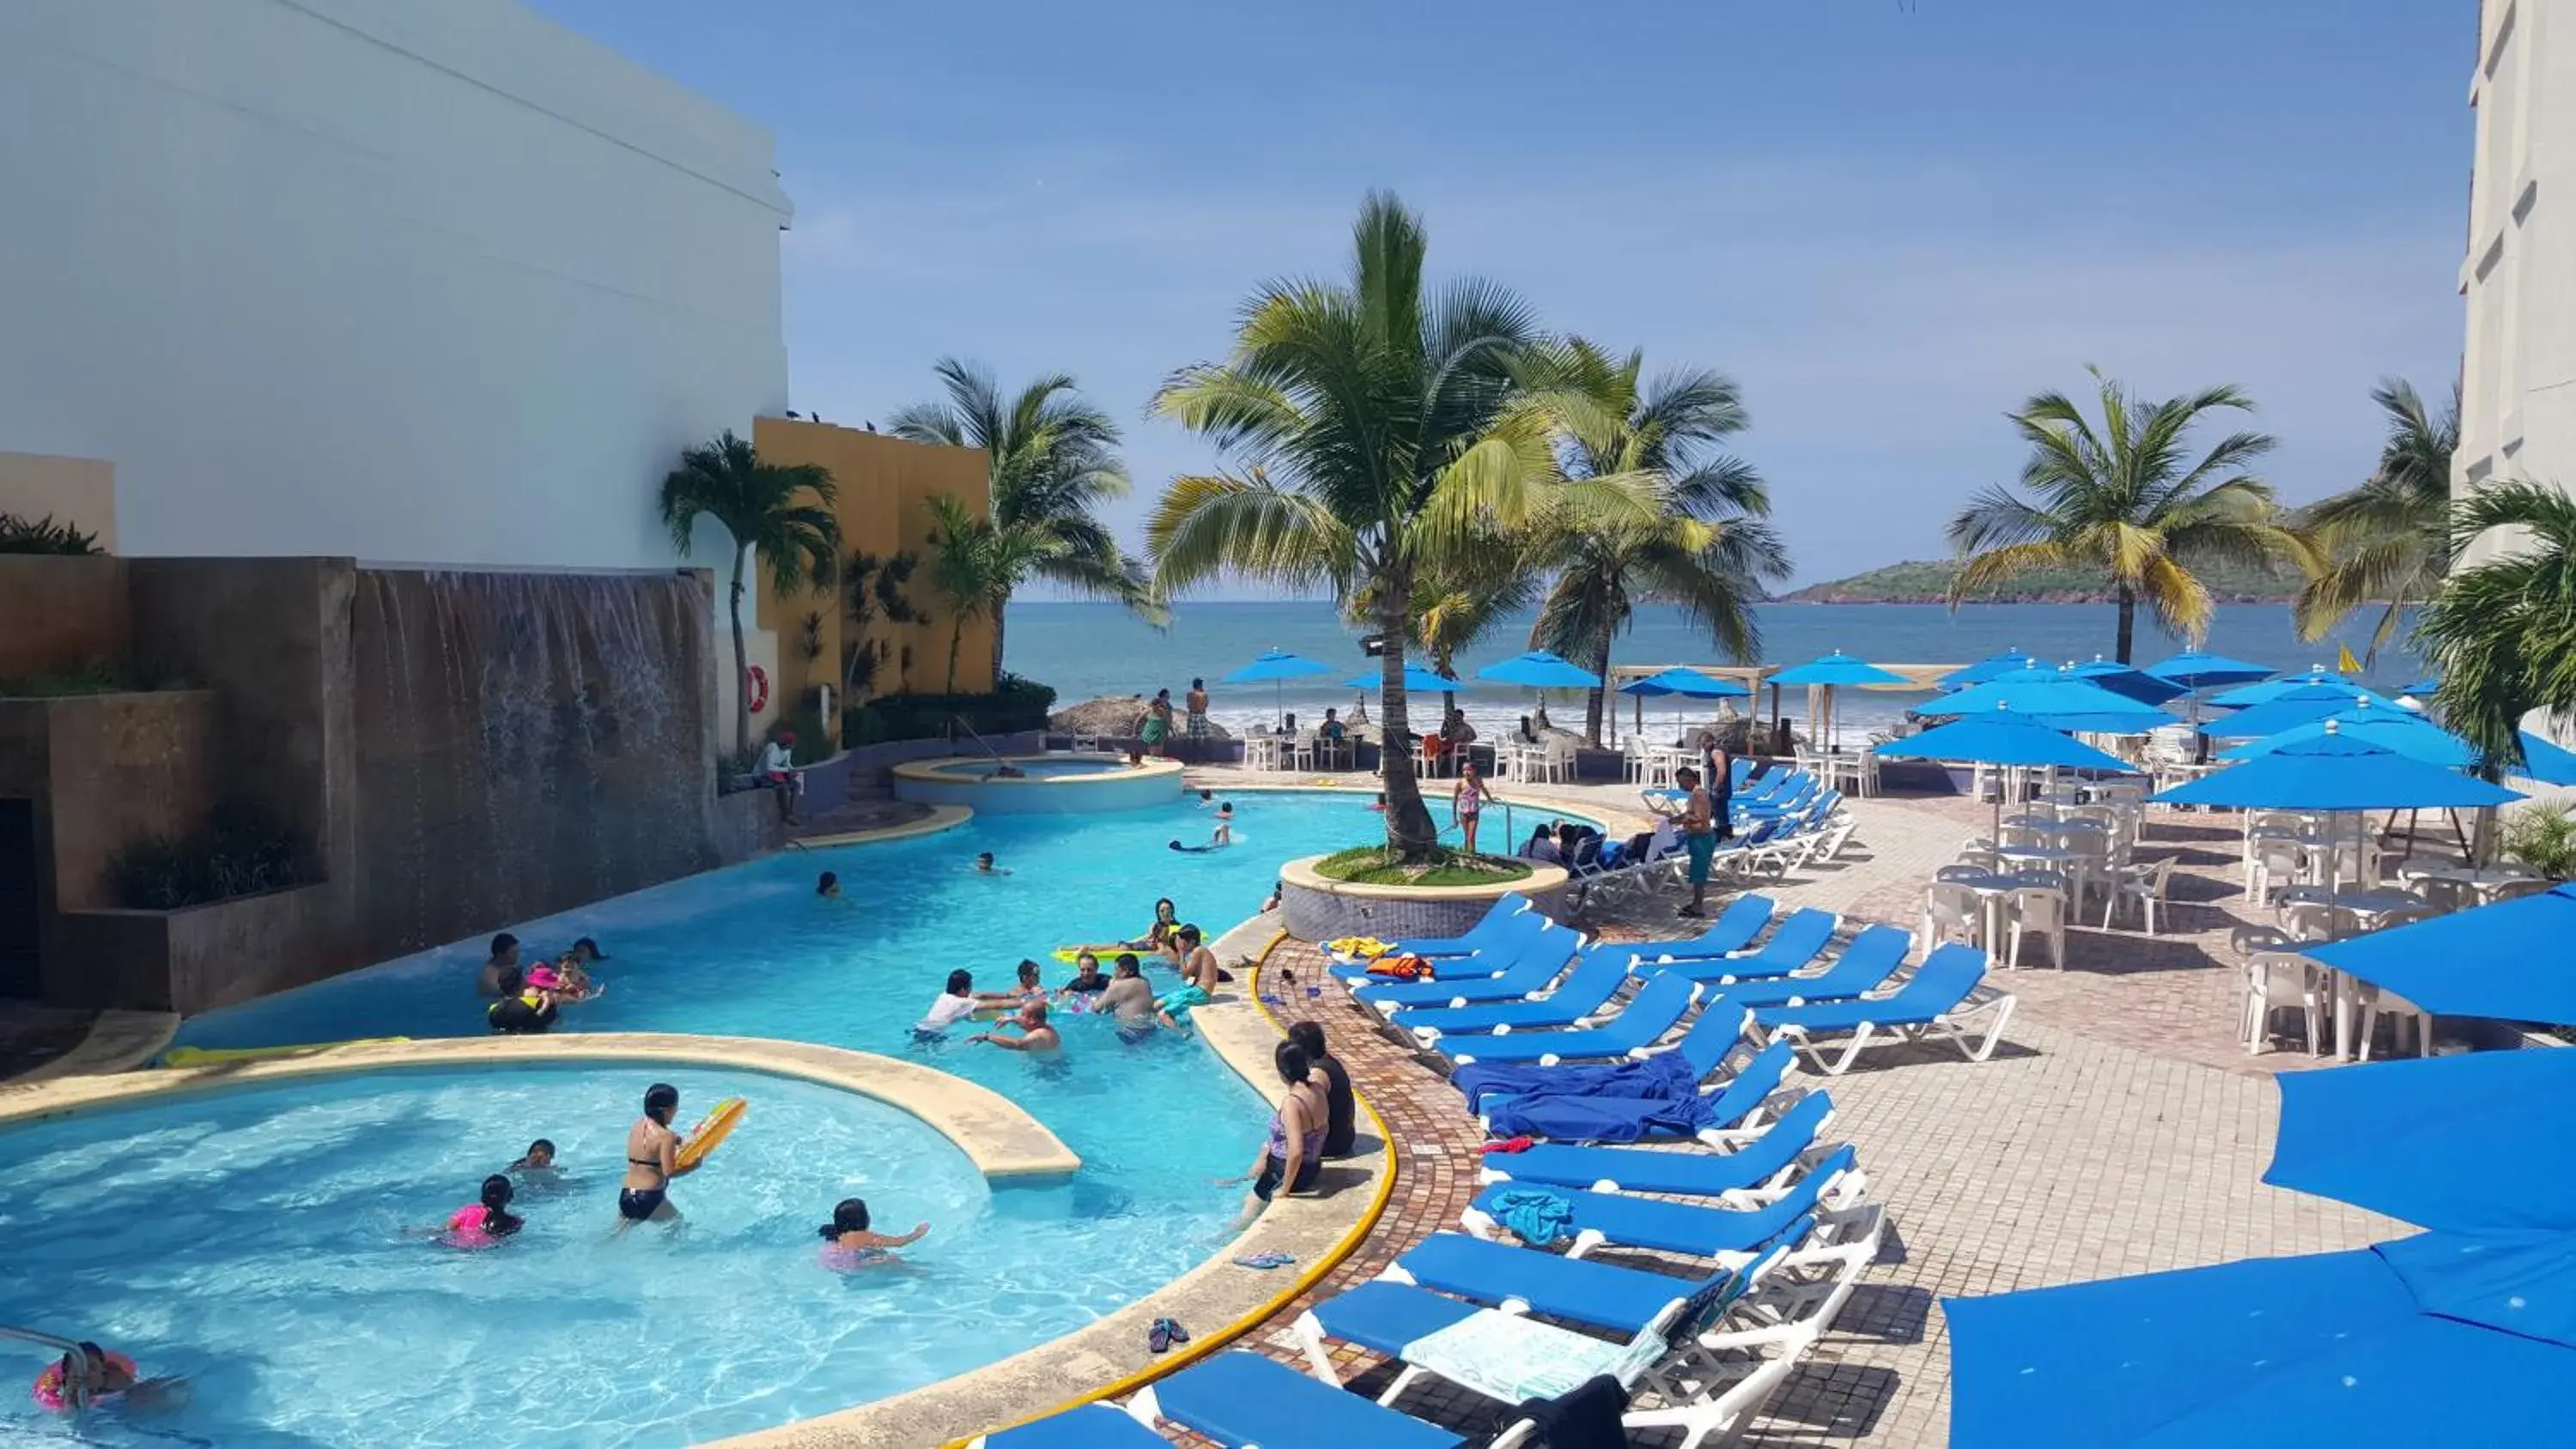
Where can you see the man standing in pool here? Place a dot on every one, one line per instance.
(505, 957)
(652, 1160)
(1035, 1035)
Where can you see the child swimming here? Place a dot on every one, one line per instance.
(954, 1004)
(984, 865)
(90, 1374)
(848, 1244)
(484, 1223)
(828, 886)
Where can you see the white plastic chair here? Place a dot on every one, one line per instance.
(2041, 910)
(1083, 744)
(2314, 921)
(2277, 981)
(1951, 914)
(2270, 864)
(2377, 1004)
(2143, 884)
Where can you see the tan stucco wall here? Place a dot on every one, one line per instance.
(77, 491)
(885, 486)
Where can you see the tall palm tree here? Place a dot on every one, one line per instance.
(781, 512)
(2123, 498)
(2502, 634)
(1707, 555)
(1371, 440)
(1054, 461)
(976, 564)
(2389, 540)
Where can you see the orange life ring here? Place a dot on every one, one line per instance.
(759, 689)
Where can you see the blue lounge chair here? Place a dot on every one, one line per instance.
(1526, 965)
(1729, 1234)
(1597, 976)
(1703, 1050)
(1936, 1000)
(1084, 1426)
(1656, 1008)
(1500, 918)
(1497, 934)
(1794, 944)
(1578, 1290)
(1758, 1164)
(1240, 1398)
(1866, 964)
(1722, 1114)
(1733, 930)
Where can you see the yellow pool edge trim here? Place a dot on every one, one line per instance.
(1201, 1345)
(941, 818)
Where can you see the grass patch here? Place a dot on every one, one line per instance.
(1375, 865)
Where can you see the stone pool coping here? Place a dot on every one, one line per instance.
(941, 771)
(941, 818)
(1000, 1138)
(1217, 1301)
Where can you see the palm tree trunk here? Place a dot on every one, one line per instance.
(956, 633)
(1001, 627)
(741, 661)
(1409, 831)
(2128, 621)
(1600, 694)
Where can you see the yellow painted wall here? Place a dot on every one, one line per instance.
(885, 486)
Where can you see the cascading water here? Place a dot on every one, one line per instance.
(527, 742)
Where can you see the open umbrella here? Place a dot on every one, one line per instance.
(1987, 668)
(2137, 684)
(2304, 705)
(2267, 690)
(1829, 672)
(2044, 692)
(1417, 680)
(2506, 960)
(2193, 669)
(2429, 684)
(2336, 774)
(2426, 1139)
(1541, 670)
(2405, 732)
(1278, 666)
(2003, 739)
(2546, 762)
(1680, 683)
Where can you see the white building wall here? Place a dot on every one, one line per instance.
(2518, 383)
(410, 280)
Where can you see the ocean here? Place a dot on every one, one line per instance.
(1086, 650)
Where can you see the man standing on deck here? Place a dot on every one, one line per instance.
(1699, 836)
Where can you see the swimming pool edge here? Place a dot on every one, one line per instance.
(941, 818)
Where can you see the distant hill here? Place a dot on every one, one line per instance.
(1928, 582)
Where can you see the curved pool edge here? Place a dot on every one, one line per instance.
(941, 818)
(117, 1041)
(1116, 786)
(1110, 1354)
(1002, 1140)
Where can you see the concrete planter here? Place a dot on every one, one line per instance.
(63, 613)
(198, 958)
(1317, 909)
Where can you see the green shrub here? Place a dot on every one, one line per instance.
(240, 852)
(1019, 704)
(1375, 865)
(17, 535)
(2542, 837)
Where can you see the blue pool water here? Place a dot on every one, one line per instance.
(270, 1243)
(752, 951)
(1045, 769)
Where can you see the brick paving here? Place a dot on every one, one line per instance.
(2121, 1128)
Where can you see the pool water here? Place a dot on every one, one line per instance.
(753, 951)
(1043, 769)
(273, 1244)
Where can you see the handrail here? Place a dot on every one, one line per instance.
(29, 1335)
(960, 721)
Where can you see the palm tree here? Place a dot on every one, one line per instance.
(2120, 499)
(780, 511)
(1707, 555)
(1054, 460)
(2389, 540)
(872, 588)
(2502, 634)
(976, 563)
(1371, 441)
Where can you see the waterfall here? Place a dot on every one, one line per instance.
(527, 742)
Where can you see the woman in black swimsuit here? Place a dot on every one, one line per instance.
(652, 1160)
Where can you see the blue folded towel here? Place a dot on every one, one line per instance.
(1536, 1216)
(1600, 1119)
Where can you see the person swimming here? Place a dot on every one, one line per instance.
(652, 1161)
(504, 957)
(523, 1009)
(1087, 980)
(89, 1374)
(485, 1222)
(1128, 998)
(984, 865)
(848, 1242)
(1029, 989)
(828, 886)
(1034, 1036)
(954, 1004)
(1219, 839)
(1157, 937)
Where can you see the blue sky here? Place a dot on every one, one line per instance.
(1890, 220)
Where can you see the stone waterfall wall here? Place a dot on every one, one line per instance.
(526, 743)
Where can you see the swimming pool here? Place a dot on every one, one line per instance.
(752, 951)
(268, 1242)
(1044, 784)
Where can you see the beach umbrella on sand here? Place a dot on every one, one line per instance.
(1278, 666)
(1829, 672)
(2006, 740)
(1987, 668)
(1680, 683)
(2460, 1334)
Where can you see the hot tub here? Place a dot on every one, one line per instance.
(1039, 784)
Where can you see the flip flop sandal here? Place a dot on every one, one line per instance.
(1158, 1339)
(1266, 1261)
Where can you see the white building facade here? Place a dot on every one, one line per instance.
(427, 281)
(2518, 379)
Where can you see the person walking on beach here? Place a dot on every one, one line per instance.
(1466, 802)
(1699, 837)
(1196, 701)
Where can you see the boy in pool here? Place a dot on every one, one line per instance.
(984, 865)
(952, 1005)
(1027, 991)
(828, 886)
(848, 1243)
(1129, 999)
(536, 1167)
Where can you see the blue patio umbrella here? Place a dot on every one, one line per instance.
(2137, 684)
(2304, 705)
(1417, 680)
(2193, 669)
(2480, 1142)
(1679, 683)
(2267, 690)
(1830, 672)
(1277, 666)
(1539, 669)
(1987, 668)
(2401, 730)
(2108, 722)
(2426, 685)
(2043, 692)
(2001, 738)
(2546, 761)
(2333, 772)
(2506, 960)
(2387, 1346)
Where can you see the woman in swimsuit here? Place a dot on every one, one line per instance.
(652, 1160)
(1466, 802)
(1292, 1157)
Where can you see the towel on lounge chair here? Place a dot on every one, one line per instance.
(1535, 1216)
(1665, 1074)
(1602, 1119)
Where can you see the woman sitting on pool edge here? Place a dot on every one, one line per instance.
(652, 1160)
(848, 1244)
(1292, 1156)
